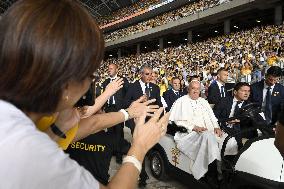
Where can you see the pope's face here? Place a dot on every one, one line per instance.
(194, 90)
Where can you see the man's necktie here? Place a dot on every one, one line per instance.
(177, 94)
(237, 109)
(111, 99)
(222, 91)
(268, 106)
(147, 91)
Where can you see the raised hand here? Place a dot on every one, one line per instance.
(114, 86)
(141, 106)
(146, 135)
(86, 111)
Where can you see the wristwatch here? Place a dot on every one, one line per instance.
(57, 131)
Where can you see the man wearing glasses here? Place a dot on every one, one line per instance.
(142, 87)
(269, 94)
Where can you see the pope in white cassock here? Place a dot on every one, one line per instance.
(203, 141)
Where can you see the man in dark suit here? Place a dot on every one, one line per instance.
(114, 104)
(143, 87)
(230, 106)
(269, 94)
(134, 92)
(217, 90)
(172, 94)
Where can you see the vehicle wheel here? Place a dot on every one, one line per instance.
(157, 165)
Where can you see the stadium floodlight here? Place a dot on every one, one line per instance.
(216, 31)
(169, 42)
(185, 39)
(258, 21)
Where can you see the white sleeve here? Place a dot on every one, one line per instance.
(31, 160)
(176, 115)
(211, 114)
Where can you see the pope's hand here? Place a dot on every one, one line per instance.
(199, 129)
(218, 132)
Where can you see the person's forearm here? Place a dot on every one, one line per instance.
(105, 120)
(98, 122)
(100, 101)
(127, 175)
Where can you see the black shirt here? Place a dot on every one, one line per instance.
(94, 153)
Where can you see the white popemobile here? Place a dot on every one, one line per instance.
(258, 165)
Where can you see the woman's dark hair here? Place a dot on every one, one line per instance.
(44, 44)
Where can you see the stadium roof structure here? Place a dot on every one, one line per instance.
(103, 7)
(95, 7)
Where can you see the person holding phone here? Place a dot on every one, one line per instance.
(48, 53)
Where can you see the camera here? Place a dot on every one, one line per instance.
(88, 99)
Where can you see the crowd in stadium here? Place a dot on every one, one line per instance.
(246, 54)
(126, 11)
(165, 18)
(63, 108)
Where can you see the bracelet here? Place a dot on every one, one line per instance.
(125, 113)
(132, 159)
(57, 131)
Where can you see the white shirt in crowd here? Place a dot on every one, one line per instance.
(220, 85)
(235, 101)
(31, 160)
